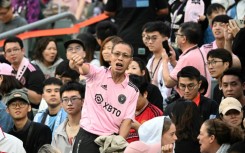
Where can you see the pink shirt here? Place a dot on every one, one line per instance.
(107, 104)
(207, 47)
(193, 58)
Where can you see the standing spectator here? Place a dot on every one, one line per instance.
(188, 85)
(136, 16)
(9, 21)
(110, 101)
(33, 135)
(46, 56)
(28, 74)
(187, 38)
(72, 95)
(156, 33)
(54, 115)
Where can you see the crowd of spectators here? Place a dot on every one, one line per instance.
(138, 95)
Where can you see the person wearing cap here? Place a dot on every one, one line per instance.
(219, 27)
(230, 111)
(33, 135)
(9, 20)
(30, 75)
(110, 103)
(74, 46)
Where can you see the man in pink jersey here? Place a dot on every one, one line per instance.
(110, 99)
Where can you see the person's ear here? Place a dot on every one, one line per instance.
(29, 108)
(199, 84)
(143, 72)
(211, 138)
(145, 94)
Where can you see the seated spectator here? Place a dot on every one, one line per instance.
(188, 84)
(216, 136)
(10, 144)
(46, 56)
(230, 111)
(74, 46)
(33, 135)
(144, 109)
(65, 73)
(90, 45)
(187, 120)
(138, 67)
(72, 96)
(106, 48)
(54, 115)
(160, 132)
(8, 20)
(105, 29)
(47, 148)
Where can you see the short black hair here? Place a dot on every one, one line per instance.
(189, 72)
(233, 71)
(192, 32)
(73, 86)
(237, 147)
(158, 26)
(204, 85)
(106, 29)
(13, 39)
(52, 80)
(214, 7)
(222, 54)
(64, 70)
(139, 82)
(222, 19)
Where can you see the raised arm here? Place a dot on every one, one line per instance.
(76, 63)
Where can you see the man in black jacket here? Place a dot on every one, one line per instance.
(34, 135)
(189, 83)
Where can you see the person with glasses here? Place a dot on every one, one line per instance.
(72, 97)
(157, 32)
(217, 137)
(54, 115)
(110, 103)
(9, 20)
(218, 60)
(33, 135)
(189, 82)
(187, 38)
(30, 75)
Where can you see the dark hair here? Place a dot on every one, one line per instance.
(41, 46)
(13, 39)
(223, 132)
(233, 71)
(124, 43)
(189, 72)
(90, 44)
(221, 18)
(238, 147)
(187, 119)
(106, 29)
(222, 54)
(142, 67)
(158, 26)
(64, 70)
(73, 86)
(146, 25)
(166, 125)
(52, 80)
(214, 7)
(114, 40)
(8, 84)
(139, 82)
(204, 85)
(192, 32)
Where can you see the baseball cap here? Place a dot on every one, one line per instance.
(5, 3)
(17, 94)
(228, 104)
(141, 147)
(67, 43)
(6, 69)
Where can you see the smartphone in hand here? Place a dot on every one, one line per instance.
(166, 47)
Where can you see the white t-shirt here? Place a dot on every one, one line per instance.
(11, 144)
